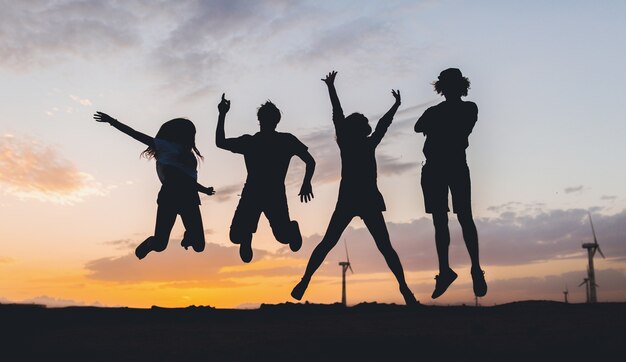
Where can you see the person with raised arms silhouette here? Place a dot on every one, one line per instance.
(447, 127)
(267, 155)
(175, 151)
(358, 191)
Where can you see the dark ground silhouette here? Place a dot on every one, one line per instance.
(530, 330)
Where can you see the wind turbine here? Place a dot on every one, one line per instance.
(345, 265)
(565, 293)
(591, 275)
(586, 282)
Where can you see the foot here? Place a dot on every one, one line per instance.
(480, 285)
(197, 246)
(409, 298)
(245, 251)
(300, 288)
(144, 248)
(443, 281)
(295, 241)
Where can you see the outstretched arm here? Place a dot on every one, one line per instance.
(220, 135)
(334, 99)
(306, 191)
(385, 121)
(141, 137)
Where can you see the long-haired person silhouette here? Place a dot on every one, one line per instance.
(447, 127)
(267, 155)
(174, 149)
(358, 191)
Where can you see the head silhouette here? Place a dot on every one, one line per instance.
(358, 126)
(268, 116)
(178, 130)
(452, 84)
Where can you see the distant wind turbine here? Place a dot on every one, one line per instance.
(591, 275)
(345, 265)
(565, 293)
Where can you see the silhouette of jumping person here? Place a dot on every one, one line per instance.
(447, 127)
(175, 152)
(267, 155)
(358, 192)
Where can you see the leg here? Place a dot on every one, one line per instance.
(285, 230)
(194, 230)
(338, 223)
(442, 239)
(376, 225)
(166, 216)
(470, 235)
(244, 224)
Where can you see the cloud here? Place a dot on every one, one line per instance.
(569, 190)
(31, 169)
(40, 33)
(608, 197)
(225, 193)
(82, 102)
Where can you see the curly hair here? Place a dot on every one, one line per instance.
(452, 82)
(268, 114)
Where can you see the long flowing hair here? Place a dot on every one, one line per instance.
(177, 130)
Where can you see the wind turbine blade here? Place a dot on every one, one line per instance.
(581, 284)
(350, 267)
(347, 256)
(593, 230)
(600, 251)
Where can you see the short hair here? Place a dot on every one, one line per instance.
(268, 114)
(451, 81)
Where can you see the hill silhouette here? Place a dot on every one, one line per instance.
(369, 331)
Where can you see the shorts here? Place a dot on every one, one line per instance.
(250, 207)
(178, 198)
(436, 180)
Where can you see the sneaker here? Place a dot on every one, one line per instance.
(295, 242)
(186, 243)
(300, 288)
(480, 285)
(144, 248)
(443, 281)
(245, 251)
(409, 298)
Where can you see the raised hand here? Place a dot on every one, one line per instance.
(330, 78)
(224, 105)
(396, 95)
(306, 192)
(103, 117)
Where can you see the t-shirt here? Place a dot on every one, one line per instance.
(171, 154)
(447, 127)
(267, 156)
(358, 190)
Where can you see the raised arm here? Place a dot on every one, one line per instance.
(385, 121)
(334, 99)
(306, 191)
(141, 137)
(220, 135)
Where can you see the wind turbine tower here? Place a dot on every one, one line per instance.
(565, 293)
(345, 265)
(591, 275)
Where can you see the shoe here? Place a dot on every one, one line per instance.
(480, 285)
(245, 251)
(197, 247)
(300, 288)
(295, 242)
(144, 248)
(409, 298)
(443, 281)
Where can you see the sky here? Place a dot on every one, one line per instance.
(76, 198)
